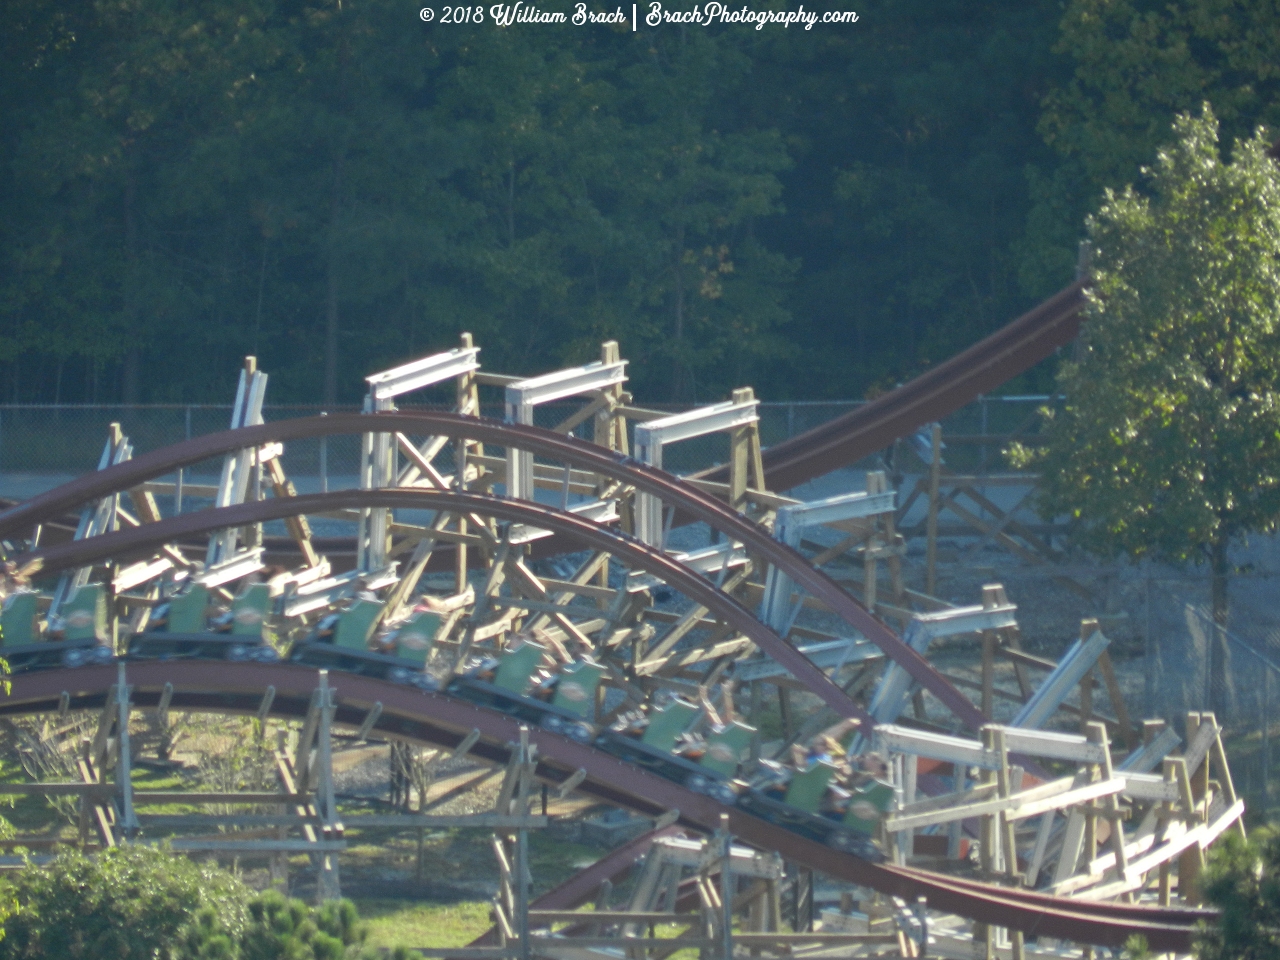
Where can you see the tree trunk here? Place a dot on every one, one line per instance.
(1219, 693)
(133, 355)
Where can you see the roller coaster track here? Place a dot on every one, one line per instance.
(671, 490)
(443, 721)
(410, 714)
(942, 390)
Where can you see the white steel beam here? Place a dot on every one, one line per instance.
(1078, 661)
(377, 454)
(422, 373)
(523, 395)
(233, 568)
(706, 560)
(828, 653)
(789, 526)
(652, 435)
(891, 693)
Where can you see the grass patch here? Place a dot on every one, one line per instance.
(412, 923)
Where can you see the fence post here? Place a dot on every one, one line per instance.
(324, 460)
(1266, 740)
(982, 407)
(1148, 656)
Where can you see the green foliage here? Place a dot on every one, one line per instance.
(1243, 882)
(318, 181)
(128, 902)
(1135, 64)
(140, 902)
(1170, 440)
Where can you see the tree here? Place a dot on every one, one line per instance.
(140, 903)
(1169, 444)
(1243, 881)
(1132, 66)
(126, 903)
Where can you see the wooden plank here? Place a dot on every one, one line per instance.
(159, 796)
(540, 943)
(1199, 746)
(942, 801)
(803, 939)
(1201, 836)
(257, 846)
(488, 821)
(1092, 791)
(1052, 745)
(614, 916)
(1049, 793)
(57, 789)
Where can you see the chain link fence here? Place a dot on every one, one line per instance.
(42, 445)
(1239, 681)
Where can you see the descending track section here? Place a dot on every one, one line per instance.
(679, 495)
(410, 714)
(946, 388)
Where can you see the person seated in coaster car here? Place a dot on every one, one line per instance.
(866, 769)
(771, 779)
(632, 723)
(691, 746)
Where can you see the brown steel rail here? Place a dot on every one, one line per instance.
(410, 714)
(931, 396)
(671, 490)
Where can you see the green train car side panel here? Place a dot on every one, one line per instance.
(868, 806)
(249, 610)
(808, 787)
(18, 619)
(516, 667)
(415, 639)
(85, 614)
(666, 724)
(726, 746)
(187, 610)
(356, 624)
(576, 691)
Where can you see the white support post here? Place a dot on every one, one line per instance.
(892, 691)
(378, 450)
(237, 466)
(653, 435)
(94, 518)
(1078, 661)
(523, 395)
(128, 825)
(328, 885)
(788, 527)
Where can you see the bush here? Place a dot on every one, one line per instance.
(140, 903)
(1243, 881)
(130, 903)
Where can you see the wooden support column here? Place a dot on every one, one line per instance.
(1196, 785)
(468, 403)
(745, 465)
(328, 885)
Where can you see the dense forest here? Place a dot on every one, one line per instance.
(335, 185)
